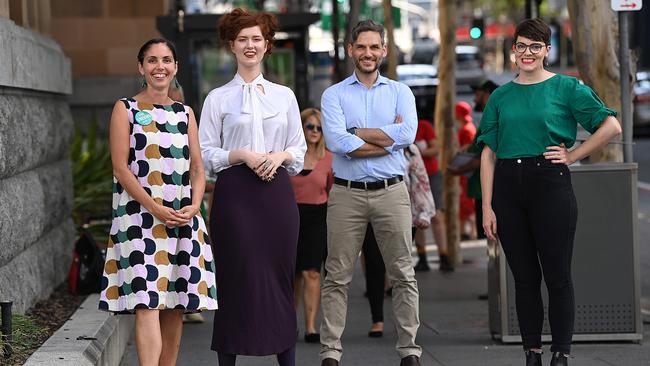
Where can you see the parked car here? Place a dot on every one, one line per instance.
(423, 81)
(641, 103)
(469, 66)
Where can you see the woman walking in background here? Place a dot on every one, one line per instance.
(526, 128)
(312, 187)
(159, 261)
(252, 140)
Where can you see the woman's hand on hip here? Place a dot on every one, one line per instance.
(558, 155)
(490, 223)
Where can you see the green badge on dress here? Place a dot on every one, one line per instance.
(143, 118)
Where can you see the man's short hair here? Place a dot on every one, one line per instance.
(368, 25)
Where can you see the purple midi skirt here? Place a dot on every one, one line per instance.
(254, 232)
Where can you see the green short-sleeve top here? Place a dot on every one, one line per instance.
(521, 120)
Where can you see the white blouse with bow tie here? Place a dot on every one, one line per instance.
(260, 116)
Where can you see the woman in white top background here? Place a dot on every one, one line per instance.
(251, 139)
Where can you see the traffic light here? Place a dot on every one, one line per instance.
(477, 29)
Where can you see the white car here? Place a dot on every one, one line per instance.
(641, 115)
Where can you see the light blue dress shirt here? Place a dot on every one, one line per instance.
(351, 104)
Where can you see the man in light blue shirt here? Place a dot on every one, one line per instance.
(367, 121)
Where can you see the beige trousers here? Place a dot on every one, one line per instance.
(349, 211)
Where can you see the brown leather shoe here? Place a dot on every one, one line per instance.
(329, 362)
(411, 360)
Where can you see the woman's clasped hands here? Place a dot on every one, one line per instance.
(265, 165)
(175, 218)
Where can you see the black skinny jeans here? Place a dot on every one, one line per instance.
(536, 214)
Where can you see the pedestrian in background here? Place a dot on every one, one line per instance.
(359, 124)
(311, 187)
(528, 201)
(422, 209)
(252, 140)
(427, 142)
(159, 262)
(482, 93)
(466, 134)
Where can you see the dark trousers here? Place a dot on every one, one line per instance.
(478, 208)
(536, 220)
(375, 274)
(286, 358)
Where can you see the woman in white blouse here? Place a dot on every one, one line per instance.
(251, 139)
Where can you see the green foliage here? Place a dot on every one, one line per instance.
(512, 9)
(92, 178)
(27, 336)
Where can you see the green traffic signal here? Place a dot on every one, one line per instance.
(475, 32)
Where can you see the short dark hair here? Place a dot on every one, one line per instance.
(145, 47)
(535, 29)
(366, 26)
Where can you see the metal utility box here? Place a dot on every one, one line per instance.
(605, 270)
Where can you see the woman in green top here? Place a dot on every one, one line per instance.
(527, 127)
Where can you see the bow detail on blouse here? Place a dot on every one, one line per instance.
(255, 103)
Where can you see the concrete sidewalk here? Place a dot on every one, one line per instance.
(454, 330)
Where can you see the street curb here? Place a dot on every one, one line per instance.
(89, 338)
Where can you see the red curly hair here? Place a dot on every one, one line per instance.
(232, 23)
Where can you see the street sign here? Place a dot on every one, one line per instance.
(627, 5)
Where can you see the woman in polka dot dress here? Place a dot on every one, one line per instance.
(159, 263)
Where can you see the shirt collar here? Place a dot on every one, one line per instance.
(353, 79)
(258, 80)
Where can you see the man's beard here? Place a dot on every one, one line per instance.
(479, 107)
(357, 64)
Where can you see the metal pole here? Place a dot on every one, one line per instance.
(626, 101)
(5, 329)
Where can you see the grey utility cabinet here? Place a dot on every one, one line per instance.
(605, 269)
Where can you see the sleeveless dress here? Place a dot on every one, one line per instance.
(149, 265)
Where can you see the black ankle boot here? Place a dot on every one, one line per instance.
(560, 359)
(533, 358)
(422, 265)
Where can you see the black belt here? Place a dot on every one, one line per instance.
(370, 186)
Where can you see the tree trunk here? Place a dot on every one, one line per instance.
(391, 72)
(595, 46)
(352, 18)
(445, 123)
(338, 68)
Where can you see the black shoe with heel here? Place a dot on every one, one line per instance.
(560, 359)
(312, 338)
(533, 358)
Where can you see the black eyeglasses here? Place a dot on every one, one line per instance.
(534, 48)
(313, 127)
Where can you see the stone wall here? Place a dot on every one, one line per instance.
(36, 230)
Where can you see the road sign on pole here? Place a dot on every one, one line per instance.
(627, 5)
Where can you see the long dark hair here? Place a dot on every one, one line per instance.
(145, 47)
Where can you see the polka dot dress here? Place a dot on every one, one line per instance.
(149, 265)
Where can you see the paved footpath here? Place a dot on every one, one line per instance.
(454, 330)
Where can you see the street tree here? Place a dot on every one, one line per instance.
(389, 24)
(351, 20)
(594, 28)
(444, 118)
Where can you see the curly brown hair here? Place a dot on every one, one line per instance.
(232, 23)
